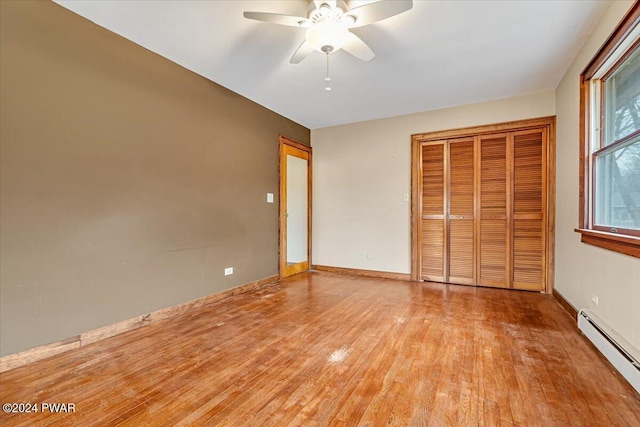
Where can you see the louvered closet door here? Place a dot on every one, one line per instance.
(461, 211)
(493, 224)
(433, 214)
(528, 209)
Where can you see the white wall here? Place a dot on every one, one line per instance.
(361, 172)
(583, 270)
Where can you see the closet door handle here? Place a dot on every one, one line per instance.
(460, 217)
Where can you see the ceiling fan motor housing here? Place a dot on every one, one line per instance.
(341, 7)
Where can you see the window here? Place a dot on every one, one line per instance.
(610, 142)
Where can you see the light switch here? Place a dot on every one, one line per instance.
(406, 197)
(269, 197)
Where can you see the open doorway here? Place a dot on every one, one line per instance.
(295, 207)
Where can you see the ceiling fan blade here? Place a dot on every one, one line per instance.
(331, 3)
(374, 12)
(276, 18)
(356, 47)
(303, 51)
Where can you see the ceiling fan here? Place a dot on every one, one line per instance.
(328, 23)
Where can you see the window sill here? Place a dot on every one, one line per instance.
(628, 245)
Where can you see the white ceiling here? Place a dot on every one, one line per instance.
(439, 54)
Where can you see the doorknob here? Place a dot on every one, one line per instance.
(286, 215)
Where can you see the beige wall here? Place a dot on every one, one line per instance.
(127, 182)
(583, 270)
(363, 170)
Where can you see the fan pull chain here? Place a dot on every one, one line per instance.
(327, 79)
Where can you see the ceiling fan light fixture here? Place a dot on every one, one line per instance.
(322, 34)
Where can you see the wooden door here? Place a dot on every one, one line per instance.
(433, 225)
(448, 211)
(529, 201)
(493, 228)
(461, 211)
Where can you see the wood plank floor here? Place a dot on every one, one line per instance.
(325, 349)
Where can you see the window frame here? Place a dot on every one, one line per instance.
(626, 241)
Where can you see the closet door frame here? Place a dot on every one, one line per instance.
(417, 140)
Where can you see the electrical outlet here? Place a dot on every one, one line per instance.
(228, 271)
(594, 299)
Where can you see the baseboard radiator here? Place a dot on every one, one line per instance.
(622, 355)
